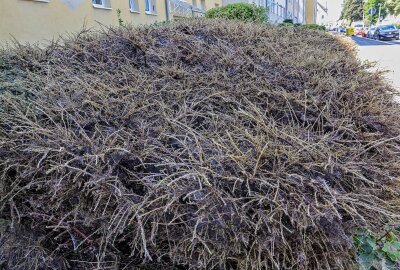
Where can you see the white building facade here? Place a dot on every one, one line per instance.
(322, 14)
(279, 10)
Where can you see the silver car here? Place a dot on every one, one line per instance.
(371, 32)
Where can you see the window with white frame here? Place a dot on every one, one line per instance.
(102, 3)
(134, 5)
(150, 6)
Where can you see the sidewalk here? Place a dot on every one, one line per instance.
(386, 54)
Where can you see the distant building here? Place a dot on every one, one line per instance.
(300, 11)
(295, 10)
(277, 10)
(322, 14)
(37, 20)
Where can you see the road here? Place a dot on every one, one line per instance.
(385, 53)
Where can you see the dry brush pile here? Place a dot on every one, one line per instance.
(197, 145)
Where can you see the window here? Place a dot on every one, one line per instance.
(150, 6)
(134, 5)
(388, 27)
(101, 3)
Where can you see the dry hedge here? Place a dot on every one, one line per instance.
(195, 145)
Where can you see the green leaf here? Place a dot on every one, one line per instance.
(365, 242)
(366, 261)
(392, 250)
(386, 264)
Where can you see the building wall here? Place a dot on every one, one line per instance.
(302, 11)
(38, 20)
(227, 2)
(311, 11)
(322, 17)
(276, 10)
(294, 11)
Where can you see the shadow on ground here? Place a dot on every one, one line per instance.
(371, 42)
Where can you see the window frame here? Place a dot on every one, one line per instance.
(136, 6)
(152, 5)
(41, 1)
(105, 4)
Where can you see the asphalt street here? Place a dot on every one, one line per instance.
(385, 53)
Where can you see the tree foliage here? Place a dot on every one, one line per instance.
(352, 10)
(393, 7)
(355, 10)
(239, 11)
(377, 4)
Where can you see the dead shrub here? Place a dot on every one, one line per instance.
(197, 145)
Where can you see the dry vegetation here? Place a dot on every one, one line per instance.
(197, 145)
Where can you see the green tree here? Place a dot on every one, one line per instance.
(352, 10)
(376, 4)
(393, 7)
(239, 11)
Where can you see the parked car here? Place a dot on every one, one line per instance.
(364, 32)
(359, 29)
(342, 29)
(333, 28)
(371, 32)
(388, 31)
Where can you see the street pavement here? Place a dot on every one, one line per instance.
(385, 53)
